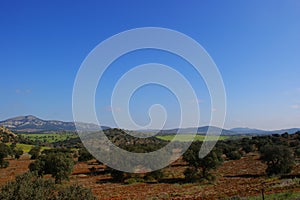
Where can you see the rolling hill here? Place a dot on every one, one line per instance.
(32, 124)
(35, 125)
(200, 130)
(263, 132)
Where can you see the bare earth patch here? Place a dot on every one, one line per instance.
(243, 177)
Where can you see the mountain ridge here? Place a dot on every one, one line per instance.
(33, 124)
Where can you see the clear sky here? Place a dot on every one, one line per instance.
(255, 44)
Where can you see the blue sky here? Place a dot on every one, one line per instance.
(255, 44)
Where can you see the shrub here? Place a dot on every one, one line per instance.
(248, 148)
(27, 186)
(280, 159)
(4, 152)
(204, 165)
(191, 174)
(84, 155)
(59, 165)
(133, 180)
(18, 152)
(116, 175)
(30, 187)
(35, 152)
(75, 192)
(154, 176)
(4, 163)
(234, 155)
(297, 152)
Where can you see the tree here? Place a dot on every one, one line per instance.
(62, 166)
(279, 159)
(35, 152)
(117, 175)
(29, 186)
(18, 152)
(59, 165)
(84, 155)
(234, 155)
(285, 135)
(247, 145)
(200, 167)
(4, 152)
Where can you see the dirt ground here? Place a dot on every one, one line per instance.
(242, 178)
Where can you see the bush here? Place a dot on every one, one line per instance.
(4, 152)
(154, 176)
(285, 135)
(280, 159)
(59, 165)
(297, 152)
(35, 152)
(30, 187)
(204, 165)
(26, 187)
(248, 148)
(57, 150)
(191, 174)
(234, 155)
(18, 152)
(84, 155)
(134, 180)
(294, 143)
(4, 163)
(116, 175)
(75, 192)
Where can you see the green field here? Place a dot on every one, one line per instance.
(26, 147)
(56, 137)
(50, 137)
(189, 137)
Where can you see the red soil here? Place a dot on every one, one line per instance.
(243, 177)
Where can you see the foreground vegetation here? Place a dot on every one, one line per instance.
(279, 154)
(29, 186)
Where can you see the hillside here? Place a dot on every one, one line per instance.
(6, 135)
(263, 132)
(200, 130)
(33, 124)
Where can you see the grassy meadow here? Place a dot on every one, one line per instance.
(50, 137)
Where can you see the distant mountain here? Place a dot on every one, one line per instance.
(289, 131)
(248, 130)
(235, 131)
(200, 130)
(33, 124)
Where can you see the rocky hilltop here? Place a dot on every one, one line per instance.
(6, 135)
(33, 124)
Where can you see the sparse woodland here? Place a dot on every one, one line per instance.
(280, 154)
